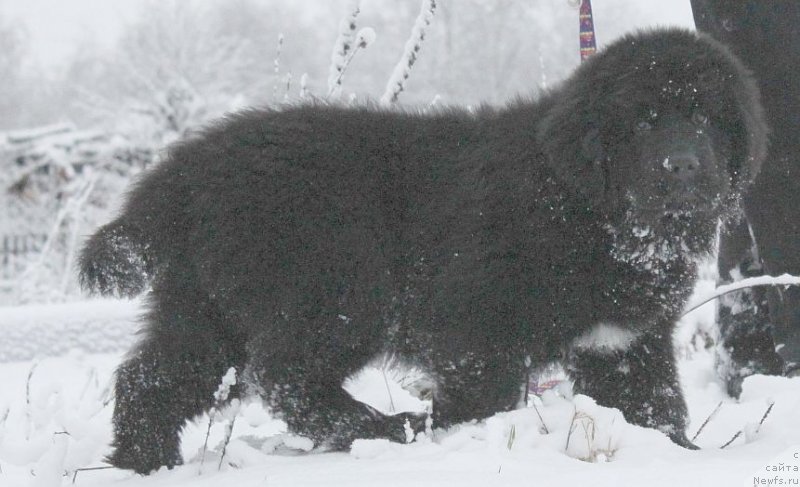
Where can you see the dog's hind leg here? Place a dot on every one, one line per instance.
(168, 378)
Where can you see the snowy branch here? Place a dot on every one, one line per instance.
(276, 65)
(342, 47)
(365, 37)
(782, 280)
(402, 70)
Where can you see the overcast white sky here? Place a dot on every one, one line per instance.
(57, 27)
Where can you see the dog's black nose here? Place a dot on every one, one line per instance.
(683, 167)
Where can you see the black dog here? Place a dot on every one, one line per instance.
(296, 245)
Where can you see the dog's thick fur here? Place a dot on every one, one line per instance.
(296, 245)
(760, 327)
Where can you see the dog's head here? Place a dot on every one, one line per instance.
(664, 123)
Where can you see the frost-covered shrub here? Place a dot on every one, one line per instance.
(58, 183)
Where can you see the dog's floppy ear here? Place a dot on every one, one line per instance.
(748, 127)
(748, 98)
(571, 139)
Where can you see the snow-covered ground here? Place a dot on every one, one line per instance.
(58, 361)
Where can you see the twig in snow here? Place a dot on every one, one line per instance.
(211, 415)
(546, 430)
(512, 435)
(28, 419)
(766, 413)
(6, 412)
(109, 396)
(388, 390)
(572, 427)
(401, 71)
(220, 398)
(228, 432)
(589, 430)
(702, 426)
(738, 434)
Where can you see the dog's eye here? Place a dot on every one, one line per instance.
(699, 118)
(643, 126)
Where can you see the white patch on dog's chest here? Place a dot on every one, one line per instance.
(606, 337)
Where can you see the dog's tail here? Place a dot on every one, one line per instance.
(115, 261)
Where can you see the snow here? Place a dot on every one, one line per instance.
(606, 336)
(366, 36)
(57, 363)
(31, 331)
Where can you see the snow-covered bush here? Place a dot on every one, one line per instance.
(57, 183)
(402, 70)
(181, 65)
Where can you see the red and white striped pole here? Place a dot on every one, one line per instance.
(588, 44)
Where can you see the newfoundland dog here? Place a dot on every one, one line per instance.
(296, 245)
